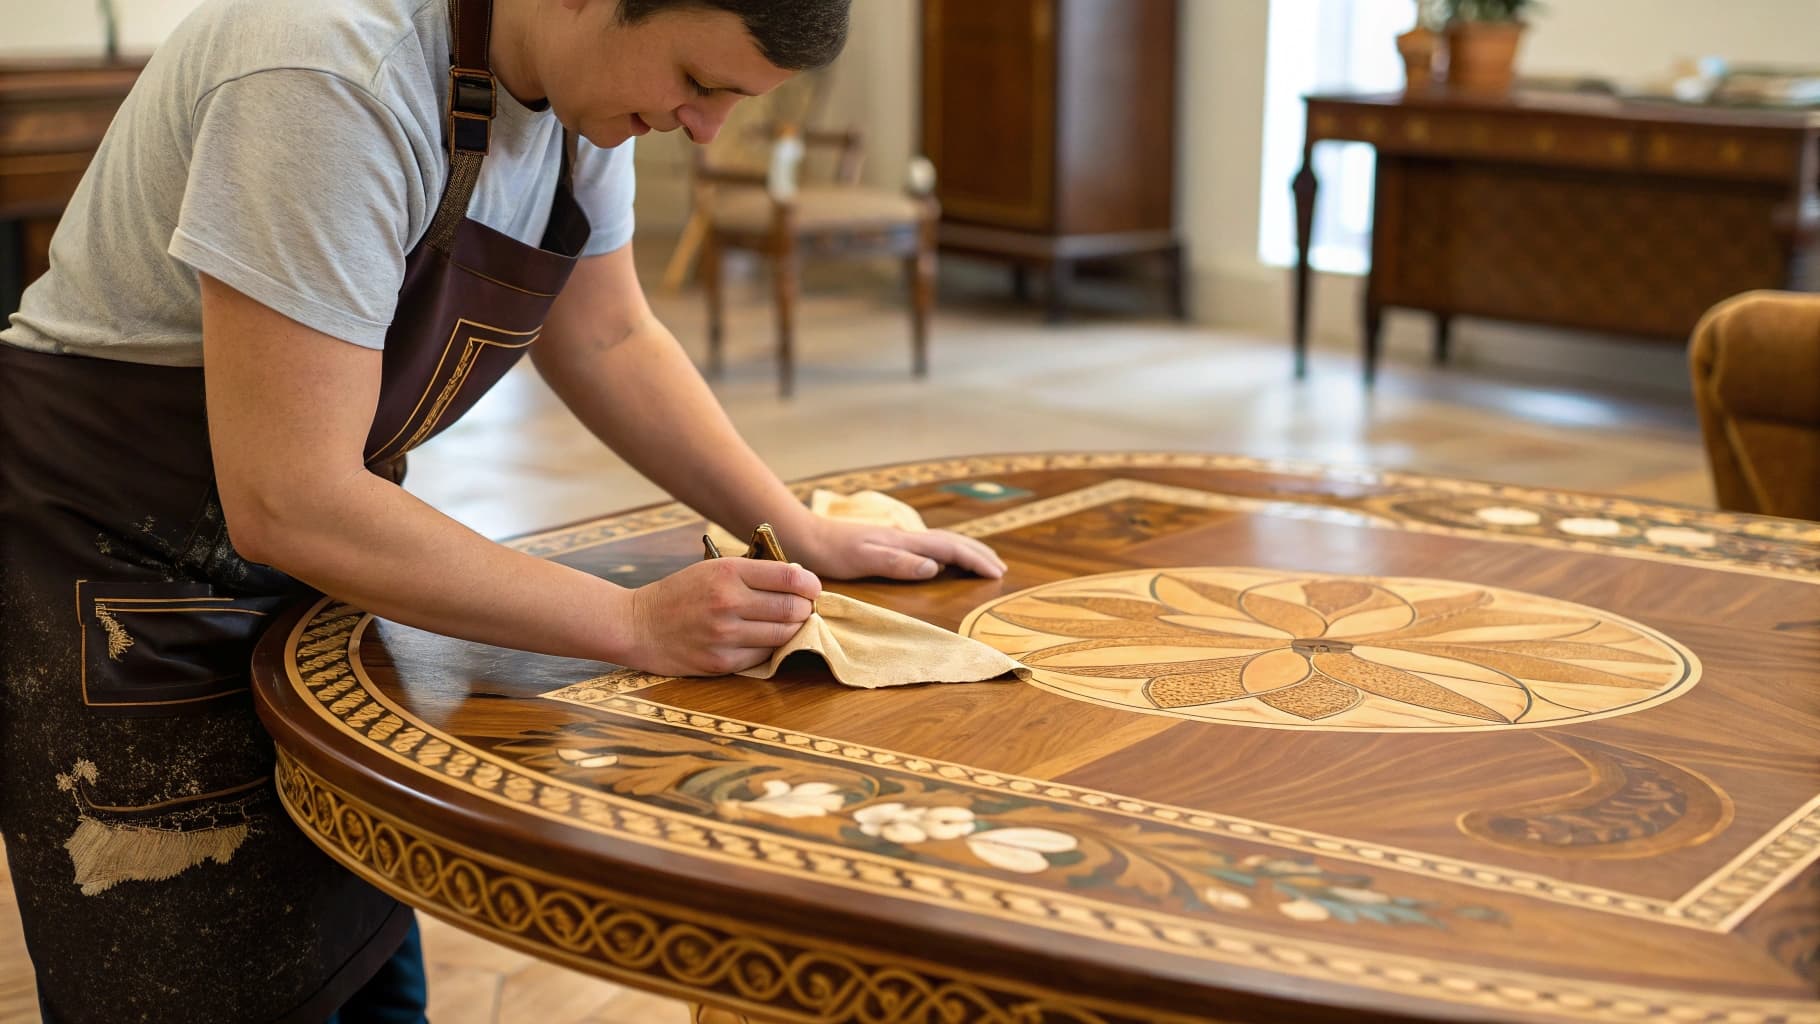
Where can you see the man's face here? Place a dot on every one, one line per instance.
(683, 69)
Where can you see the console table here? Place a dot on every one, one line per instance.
(1592, 212)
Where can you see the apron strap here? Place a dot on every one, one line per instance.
(472, 103)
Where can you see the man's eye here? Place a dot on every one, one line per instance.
(700, 89)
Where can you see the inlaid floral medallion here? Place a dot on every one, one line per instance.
(1283, 649)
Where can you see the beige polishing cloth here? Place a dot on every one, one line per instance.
(871, 507)
(868, 647)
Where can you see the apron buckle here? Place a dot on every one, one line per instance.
(472, 103)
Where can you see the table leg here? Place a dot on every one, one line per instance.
(1443, 337)
(1020, 282)
(1304, 187)
(1374, 325)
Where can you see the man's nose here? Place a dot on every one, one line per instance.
(702, 123)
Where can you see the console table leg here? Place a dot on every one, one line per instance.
(1304, 188)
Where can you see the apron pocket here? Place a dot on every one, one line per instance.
(166, 648)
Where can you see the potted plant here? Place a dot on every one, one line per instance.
(1420, 47)
(1482, 39)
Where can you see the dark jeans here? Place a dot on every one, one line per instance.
(398, 994)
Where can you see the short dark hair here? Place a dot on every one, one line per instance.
(795, 35)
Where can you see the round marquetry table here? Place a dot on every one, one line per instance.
(1295, 744)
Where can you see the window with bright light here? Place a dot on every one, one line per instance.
(1324, 46)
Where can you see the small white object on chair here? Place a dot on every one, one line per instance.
(786, 154)
(919, 177)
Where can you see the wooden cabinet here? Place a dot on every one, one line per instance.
(1051, 124)
(53, 114)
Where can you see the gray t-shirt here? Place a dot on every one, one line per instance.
(292, 149)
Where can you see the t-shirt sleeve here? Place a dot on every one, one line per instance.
(302, 194)
(605, 187)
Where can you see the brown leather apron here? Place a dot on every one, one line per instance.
(157, 876)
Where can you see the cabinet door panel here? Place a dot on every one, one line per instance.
(1115, 165)
(989, 108)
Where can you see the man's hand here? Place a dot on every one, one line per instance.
(846, 551)
(718, 616)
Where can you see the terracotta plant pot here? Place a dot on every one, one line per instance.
(1482, 55)
(1420, 47)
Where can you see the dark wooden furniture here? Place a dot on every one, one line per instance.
(838, 218)
(1631, 217)
(52, 116)
(1320, 748)
(1051, 124)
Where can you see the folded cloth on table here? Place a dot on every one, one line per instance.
(871, 507)
(867, 646)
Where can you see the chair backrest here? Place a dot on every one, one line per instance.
(744, 142)
(1756, 367)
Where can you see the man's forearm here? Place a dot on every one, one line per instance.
(644, 398)
(382, 549)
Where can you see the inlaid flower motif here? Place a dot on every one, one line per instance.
(1304, 910)
(897, 823)
(1506, 515)
(1679, 537)
(587, 758)
(804, 800)
(1260, 647)
(1581, 526)
(1019, 849)
(1225, 899)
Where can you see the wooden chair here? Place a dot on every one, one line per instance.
(1756, 369)
(785, 222)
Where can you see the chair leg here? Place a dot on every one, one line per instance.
(712, 283)
(688, 247)
(921, 269)
(785, 273)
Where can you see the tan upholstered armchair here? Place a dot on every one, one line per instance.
(771, 213)
(1756, 368)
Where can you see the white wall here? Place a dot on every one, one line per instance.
(68, 27)
(1638, 38)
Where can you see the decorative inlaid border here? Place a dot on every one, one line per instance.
(1782, 548)
(1728, 895)
(656, 945)
(320, 664)
(1717, 903)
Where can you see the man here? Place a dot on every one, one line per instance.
(317, 230)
